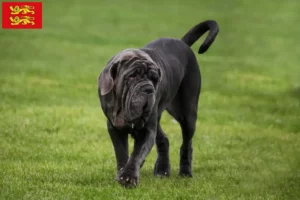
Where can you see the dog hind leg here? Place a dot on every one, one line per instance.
(184, 109)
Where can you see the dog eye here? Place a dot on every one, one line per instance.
(131, 77)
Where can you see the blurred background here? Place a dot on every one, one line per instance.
(53, 137)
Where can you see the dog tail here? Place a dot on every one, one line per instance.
(197, 31)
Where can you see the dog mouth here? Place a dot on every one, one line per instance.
(137, 123)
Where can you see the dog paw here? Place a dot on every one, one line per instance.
(162, 169)
(127, 178)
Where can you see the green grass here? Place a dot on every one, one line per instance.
(53, 139)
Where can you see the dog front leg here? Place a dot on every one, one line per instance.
(143, 143)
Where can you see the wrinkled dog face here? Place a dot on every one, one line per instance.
(128, 86)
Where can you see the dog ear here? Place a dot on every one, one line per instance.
(106, 79)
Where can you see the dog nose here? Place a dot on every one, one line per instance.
(148, 90)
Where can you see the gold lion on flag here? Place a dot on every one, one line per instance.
(23, 20)
(23, 9)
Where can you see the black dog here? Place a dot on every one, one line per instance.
(137, 85)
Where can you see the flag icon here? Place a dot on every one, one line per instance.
(21, 15)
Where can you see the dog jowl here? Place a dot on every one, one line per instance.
(137, 85)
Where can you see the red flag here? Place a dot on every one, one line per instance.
(21, 15)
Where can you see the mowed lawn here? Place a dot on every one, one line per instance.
(53, 138)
